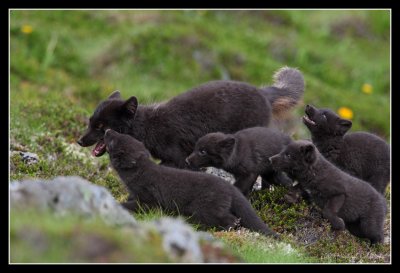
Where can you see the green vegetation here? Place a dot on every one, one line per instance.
(70, 239)
(63, 63)
(259, 249)
(303, 226)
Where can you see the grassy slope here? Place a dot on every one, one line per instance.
(70, 239)
(73, 59)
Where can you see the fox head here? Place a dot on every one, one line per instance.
(125, 151)
(325, 122)
(295, 157)
(112, 113)
(213, 149)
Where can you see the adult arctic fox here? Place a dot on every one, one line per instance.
(169, 130)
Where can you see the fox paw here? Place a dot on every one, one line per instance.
(338, 224)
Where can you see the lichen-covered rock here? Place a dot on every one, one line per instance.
(164, 239)
(185, 245)
(69, 195)
(178, 239)
(229, 177)
(29, 158)
(221, 173)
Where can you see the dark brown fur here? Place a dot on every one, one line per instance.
(206, 199)
(346, 201)
(169, 130)
(244, 154)
(361, 154)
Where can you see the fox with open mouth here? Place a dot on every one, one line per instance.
(361, 154)
(169, 130)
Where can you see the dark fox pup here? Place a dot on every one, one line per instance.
(346, 201)
(169, 130)
(360, 154)
(206, 199)
(245, 154)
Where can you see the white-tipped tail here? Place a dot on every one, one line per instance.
(286, 91)
(290, 79)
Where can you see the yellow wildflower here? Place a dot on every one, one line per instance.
(27, 29)
(345, 112)
(367, 88)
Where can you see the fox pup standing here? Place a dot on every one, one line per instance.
(345, 200)
(361, 154)
(206, 199)
(245, 154)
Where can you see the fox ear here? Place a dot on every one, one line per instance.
(146, 154)
(227, 143)
(309, 154)
(130, 105)
(343, 126)
(115, 95)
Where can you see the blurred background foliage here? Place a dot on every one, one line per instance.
(77, 58)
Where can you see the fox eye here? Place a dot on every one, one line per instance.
(202, 152)
(99, 126)
(287, 156)
(323, 115)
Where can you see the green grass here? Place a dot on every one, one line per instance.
(71, 239)
(127, 50)
(259, 249)
(73, 59)
(302, 226)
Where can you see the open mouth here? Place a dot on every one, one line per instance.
(308, 120)
(99, 149)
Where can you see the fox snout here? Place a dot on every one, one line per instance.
(83, 142)
(80, 142)
(310, 110)
(89, 138)
(191, 162)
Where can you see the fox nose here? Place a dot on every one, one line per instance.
(79, 141)
(310, 107)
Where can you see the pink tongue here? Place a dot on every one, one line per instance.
(100, 146)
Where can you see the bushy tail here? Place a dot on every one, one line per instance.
(242, 209)
(287, 90)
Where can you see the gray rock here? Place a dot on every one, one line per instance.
(74, 195)
(179, 239)
(64, 195)
(229, 177)
(221, 173)
(29, 158)
(185, 245)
